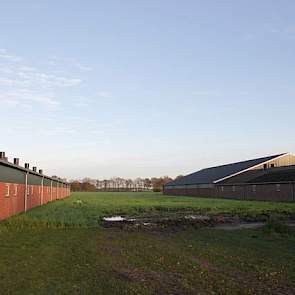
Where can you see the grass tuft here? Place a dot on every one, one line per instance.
(276, 226)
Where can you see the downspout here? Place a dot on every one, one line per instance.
(50, 190)
(42, 185)
(26, 190)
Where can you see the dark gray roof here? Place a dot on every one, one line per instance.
(285, 174)
(209, 175)
(6, 163)
(245, 177)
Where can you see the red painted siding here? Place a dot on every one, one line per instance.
(12, 197)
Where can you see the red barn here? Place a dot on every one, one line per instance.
(22, 188)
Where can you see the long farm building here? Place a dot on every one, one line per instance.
(22, 189)
(269, 178)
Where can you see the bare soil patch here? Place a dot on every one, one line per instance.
(160, 282)
(179, 221)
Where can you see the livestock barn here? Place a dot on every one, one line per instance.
(22, 189)
(267, 179)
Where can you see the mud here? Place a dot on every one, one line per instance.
(241, 225)
(182, 221)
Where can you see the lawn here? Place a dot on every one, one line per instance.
(85, 209)
(60, 248)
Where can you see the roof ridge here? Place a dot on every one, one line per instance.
(244, 161)
(218, 173)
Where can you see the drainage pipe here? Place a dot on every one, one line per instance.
(26, 190)
(42, 186)
(50, 190)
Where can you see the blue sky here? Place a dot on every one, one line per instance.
(145, 88)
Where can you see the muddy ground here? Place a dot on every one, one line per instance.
(181, 221)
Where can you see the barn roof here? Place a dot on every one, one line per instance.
(218, 173)
(280, 174)
(8, 164)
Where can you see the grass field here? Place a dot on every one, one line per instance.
(61, 249)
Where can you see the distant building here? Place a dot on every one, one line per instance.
(269, 178)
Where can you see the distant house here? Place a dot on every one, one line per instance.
(268, 178)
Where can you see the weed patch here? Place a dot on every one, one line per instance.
(275, 226)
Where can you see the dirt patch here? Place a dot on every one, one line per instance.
(240, 225)
(160, 282)
(172, 222)
(182, 221)
(157, 222)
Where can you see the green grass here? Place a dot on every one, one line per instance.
(85, 209)
(60, 249)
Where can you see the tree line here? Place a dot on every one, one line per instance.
(154, 184)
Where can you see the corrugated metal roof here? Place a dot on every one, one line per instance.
(285, 174)
(209, 175)
(6, 163)
(245, 176)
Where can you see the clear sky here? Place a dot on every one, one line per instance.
(145, 88)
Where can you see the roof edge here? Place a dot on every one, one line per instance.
(6, 163)
(250, 168)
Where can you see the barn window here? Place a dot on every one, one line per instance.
(7, 190)
(234, 188)
(278, 187)
(272, 165)
(15, 190)
(254, 188)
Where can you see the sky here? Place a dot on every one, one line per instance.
(145, 88)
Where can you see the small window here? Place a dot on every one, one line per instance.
(265, 166)
(7, 186)
(15, 190)
(254, 188)
(278, 187)
(234, 188)
(272, 165)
